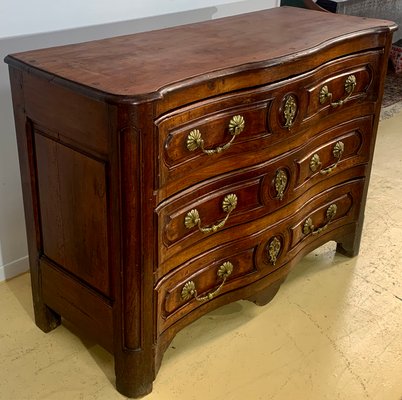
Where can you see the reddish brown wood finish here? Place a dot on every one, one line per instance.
(108, 179)
(143, 64)
(252, 262)
(75, 233)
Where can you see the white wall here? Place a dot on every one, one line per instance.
(25, 17)
(26, 24)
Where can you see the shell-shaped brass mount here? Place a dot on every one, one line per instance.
(338, 150)
(189, 290)
(192, 219)
(229, 203)
(236, 125)
(315, 162)
(195, 140)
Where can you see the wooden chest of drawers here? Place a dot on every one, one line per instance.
(171, 172)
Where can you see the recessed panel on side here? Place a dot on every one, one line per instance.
(73, 211)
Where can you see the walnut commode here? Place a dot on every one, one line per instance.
(170, 172)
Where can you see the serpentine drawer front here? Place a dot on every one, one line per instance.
(205, 137)
(199, 281)
(171, 172)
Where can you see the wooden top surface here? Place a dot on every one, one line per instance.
(144, 63)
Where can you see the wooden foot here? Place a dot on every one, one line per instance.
(349, 245)
(132, 389)
(265, 296)
(134, 373)
(45, 318)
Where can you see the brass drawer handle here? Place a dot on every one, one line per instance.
(190, 291)
(337, 152)
(195, 140)
(193, 217)
(308, 226)
(349, 87)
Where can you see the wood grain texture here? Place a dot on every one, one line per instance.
(252, 262)
(108, 179)
(91, 313)
(45, 318)
(144, 63)
(74, 232)
(78, 121)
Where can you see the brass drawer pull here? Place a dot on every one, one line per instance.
(190, 291)
(193, 217)
(349, 87)
(337, 152)
(308, 226)
(195, 140)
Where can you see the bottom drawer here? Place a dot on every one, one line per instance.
(224, 269)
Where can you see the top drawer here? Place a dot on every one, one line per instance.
(239, 129)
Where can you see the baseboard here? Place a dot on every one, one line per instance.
(14, 268)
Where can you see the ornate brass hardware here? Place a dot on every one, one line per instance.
(308, 226)
(274, 248)
(190, 291)
(337, 152)
(315, 162)
(349, 87)
(281, 180)
(193, 217)
(195, 140)
(289, 111)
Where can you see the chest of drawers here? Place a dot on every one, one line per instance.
(171, 172)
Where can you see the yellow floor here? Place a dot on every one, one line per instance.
(334, 330)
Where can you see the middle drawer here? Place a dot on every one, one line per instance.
(207, 209)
